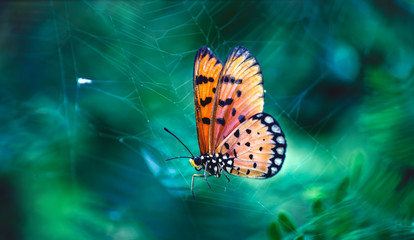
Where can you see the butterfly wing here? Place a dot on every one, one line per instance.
(239, 95)
(207, 68)
(255, 149)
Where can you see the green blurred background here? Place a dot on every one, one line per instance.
(85, 159)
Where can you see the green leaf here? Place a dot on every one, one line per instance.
(356, 166)
(300, 237)
(317, 207)
(341, 190)
(274, 231)
(286, 223)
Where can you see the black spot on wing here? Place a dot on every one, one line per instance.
(233, 112)
(237, 133)
(226, 79)
(254, 165)
(206, 101)
(242, 118)
(228, 101)
(205, 120)
(221, 121)
(200, 79)
(247, 144)
(214, 90)
(248, 131)
(251, 156)
(235, 153)
(248, 172)
(231, 80)
(238, 93)
(227, 146)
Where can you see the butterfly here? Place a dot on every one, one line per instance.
(235, 136)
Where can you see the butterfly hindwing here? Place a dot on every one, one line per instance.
(207, 68)
(240, 94)
(255, 149)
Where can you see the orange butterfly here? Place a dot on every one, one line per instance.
(234, 135)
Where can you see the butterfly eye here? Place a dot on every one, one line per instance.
(196, 163)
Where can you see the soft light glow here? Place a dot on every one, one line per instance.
(84, 81)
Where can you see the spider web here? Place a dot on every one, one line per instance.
(155, 51)
(125, 73)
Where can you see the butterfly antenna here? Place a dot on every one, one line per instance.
(180, 142)
(175, 158)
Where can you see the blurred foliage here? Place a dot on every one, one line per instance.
(86, 160)
(348, 215)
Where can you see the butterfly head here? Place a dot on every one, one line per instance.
(196, 162)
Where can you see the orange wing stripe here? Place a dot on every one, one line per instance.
(207, 68)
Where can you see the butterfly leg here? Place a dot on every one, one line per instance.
(225, 174)
(192, 182)
(205, 175)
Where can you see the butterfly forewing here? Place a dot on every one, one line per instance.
(207, 68)
(240, 94)
(256, 148)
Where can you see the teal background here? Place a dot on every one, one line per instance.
(86, 161)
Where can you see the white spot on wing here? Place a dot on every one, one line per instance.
(215, 168)
(268, 119)
(280, 150)
(228, 169)
(274, 170)
(259, 115)
(278, 161)
(275, 129)
(280, 139)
